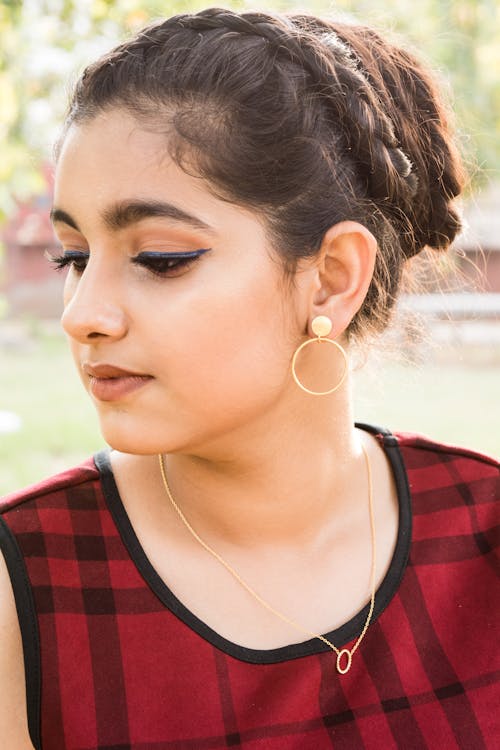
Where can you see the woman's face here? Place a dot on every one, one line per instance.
(177, 351)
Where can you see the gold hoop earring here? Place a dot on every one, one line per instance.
(321, 326)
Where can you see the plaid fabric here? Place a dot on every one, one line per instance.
(124, 666)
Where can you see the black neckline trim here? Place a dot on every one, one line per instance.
(342, 635)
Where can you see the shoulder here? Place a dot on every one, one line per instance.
(35, 523)
(444, 475)
(423, 445)
(426, 454)
(84, 473)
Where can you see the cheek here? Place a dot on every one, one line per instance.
(241, 354)
(227, 343)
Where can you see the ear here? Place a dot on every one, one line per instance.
(344, 270)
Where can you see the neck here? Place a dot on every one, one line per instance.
(286, 486)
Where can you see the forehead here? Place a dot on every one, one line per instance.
(112, 160)
(112, 151)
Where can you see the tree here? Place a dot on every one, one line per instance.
(45, 43)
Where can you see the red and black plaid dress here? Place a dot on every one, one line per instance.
(114, 661)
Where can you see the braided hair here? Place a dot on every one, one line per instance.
(306, 121)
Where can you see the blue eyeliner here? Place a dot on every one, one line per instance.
(158, 262)
(151, 255)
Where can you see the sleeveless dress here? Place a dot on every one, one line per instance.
(114, 661)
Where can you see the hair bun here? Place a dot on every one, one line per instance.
(412, 102)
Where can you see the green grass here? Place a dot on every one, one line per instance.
(452, 402)
(59, 426)
(457, 403)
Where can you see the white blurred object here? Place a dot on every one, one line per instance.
(9, 422)
(466, 305)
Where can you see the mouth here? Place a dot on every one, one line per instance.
(111, 383)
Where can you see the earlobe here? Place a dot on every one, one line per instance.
(344, 273)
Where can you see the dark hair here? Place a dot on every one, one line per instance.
(307, 121)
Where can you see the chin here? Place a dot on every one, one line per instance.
(123, 435)
(138, 437)
(138, 445)
(125, 444)
(144, 433)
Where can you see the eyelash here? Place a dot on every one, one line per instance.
(159, 264)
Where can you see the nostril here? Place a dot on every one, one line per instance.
(89, 320)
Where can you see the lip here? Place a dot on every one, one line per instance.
(111, 383)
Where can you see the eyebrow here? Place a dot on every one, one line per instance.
(58, 216)
(122, 215)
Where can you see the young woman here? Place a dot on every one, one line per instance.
(236, 198)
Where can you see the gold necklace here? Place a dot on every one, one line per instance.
(341, 653)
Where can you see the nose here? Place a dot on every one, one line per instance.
(93, 307)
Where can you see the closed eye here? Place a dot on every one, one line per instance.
(74, 258)
(162, 264)
(158, 263)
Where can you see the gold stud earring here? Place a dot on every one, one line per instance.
(321, 326)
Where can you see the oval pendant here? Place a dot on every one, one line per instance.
(344, 652)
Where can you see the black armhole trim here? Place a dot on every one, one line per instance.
(28, 624)
(340, 636)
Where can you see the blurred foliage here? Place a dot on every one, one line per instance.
(44, 44)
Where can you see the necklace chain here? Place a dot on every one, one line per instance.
(341, 653)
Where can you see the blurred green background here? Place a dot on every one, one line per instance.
(449, 392)
(46, 43)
